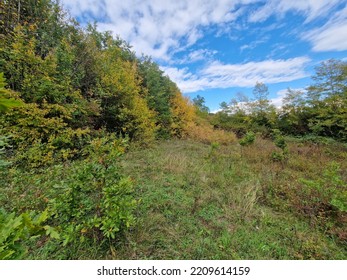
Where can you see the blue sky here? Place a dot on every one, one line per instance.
(217, 48)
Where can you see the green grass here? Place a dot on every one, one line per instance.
(199, 201)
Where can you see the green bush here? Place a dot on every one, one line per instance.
(66, 145)
(93, 199)
(281, 143)
(248, 139)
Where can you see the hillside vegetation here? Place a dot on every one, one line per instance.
(102, 157)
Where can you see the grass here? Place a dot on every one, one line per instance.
(201, 202)
(205, 201)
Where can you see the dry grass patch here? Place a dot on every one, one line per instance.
(205, 133)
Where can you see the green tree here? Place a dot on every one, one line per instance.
(263, 113)
(261, 103)
(160, 90)
(294, 114)
(199, 103)
(330, 80)
(124, 110)
(327, 100)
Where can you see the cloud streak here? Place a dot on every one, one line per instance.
(311, 9)
(157, 27)
(332, 36)
(219, 75)
(160, 28)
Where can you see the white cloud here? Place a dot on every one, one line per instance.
(160, 28)
(197, 55)
(332, 36)
(268, 71)
(76, 8)
(185, 80)
(262, 13)
(311, 9)
(278, 100)
(218, 75)
(157, 27)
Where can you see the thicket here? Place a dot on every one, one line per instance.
(75, 80)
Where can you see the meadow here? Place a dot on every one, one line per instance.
(209, 201)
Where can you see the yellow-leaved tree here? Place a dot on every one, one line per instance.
(183, 114)
(123, 109)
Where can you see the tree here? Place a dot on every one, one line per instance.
(224, 107)
(73, 78)
(234, 116)
(183, 114)
(330, 79)
(263, 114)
(123, 109)
(199, 103)
(160, 90)
(294, 113)
(261, 103)
(327, 100)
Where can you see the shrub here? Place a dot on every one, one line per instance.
(66, 145)
(248, 139)
(280, 143)
(93, 199)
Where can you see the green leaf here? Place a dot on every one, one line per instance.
(50, 231)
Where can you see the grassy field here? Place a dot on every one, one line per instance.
(209, 201)
(203, 201)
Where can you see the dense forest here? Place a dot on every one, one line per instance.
(101, 156)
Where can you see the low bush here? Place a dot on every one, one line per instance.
(248, 139)
(93, 199)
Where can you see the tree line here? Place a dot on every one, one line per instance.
(319, 110)
(74, 82)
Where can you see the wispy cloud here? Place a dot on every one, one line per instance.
(254, 44)
(219, 75)
(311, 9)
(180, 33)
(278, 49)
(158, 28)
(197, 55)
(332, 36)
